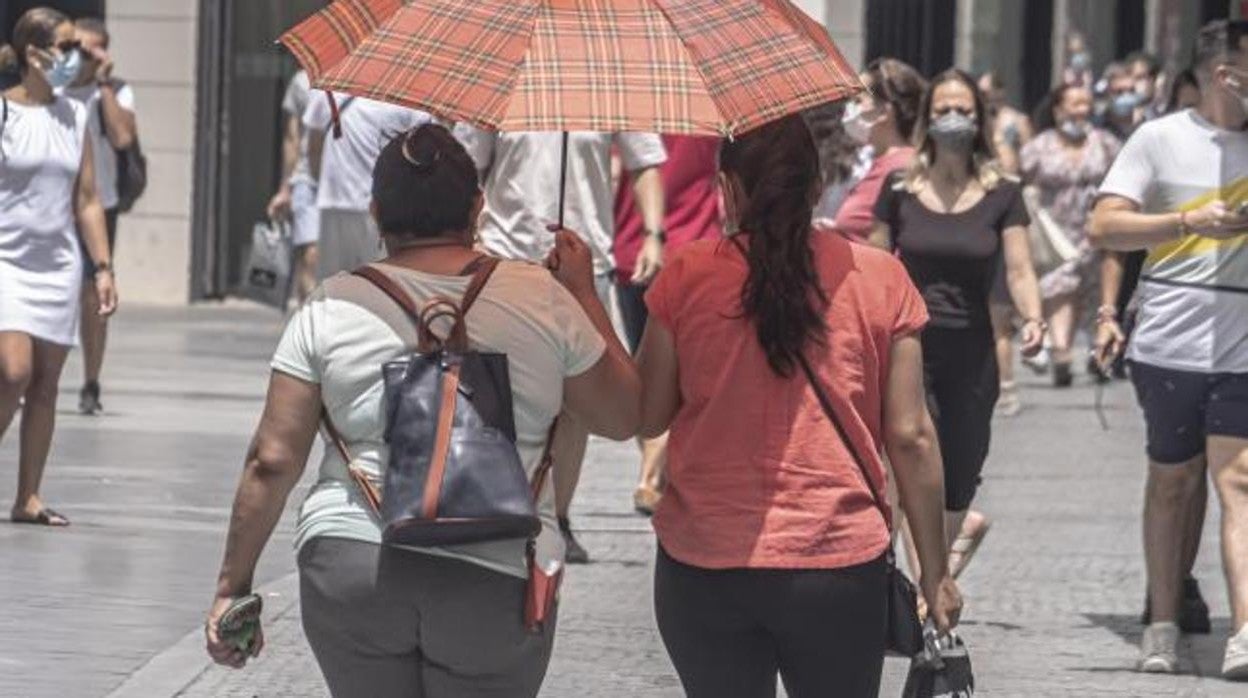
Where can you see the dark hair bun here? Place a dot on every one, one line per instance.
(421, 151)
(424, 184)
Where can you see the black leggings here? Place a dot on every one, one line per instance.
(960, 373)
(729, 632)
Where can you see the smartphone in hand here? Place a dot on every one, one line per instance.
(240, 623)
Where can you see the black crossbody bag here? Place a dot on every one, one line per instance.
(904, 631)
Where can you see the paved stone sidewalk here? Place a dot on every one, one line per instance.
(116, 602)
(1053, 598)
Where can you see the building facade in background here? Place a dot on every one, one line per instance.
(209, 80)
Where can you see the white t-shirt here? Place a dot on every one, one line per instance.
(1193, 294)
(522, 187)
(102, 152)
(347, 163)
(294, 104)
(348, 329)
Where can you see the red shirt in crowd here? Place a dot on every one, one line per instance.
(855, 218)
(691, 195)
(756, 474)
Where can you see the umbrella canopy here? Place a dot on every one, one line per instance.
(716, 67)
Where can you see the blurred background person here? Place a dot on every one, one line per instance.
(1078, 70)
(883, 118)
(1066, 164)
(112, 126)
(951, 218)
(1146, 71)
(1011, 130)
(520, 175)
(691, 213)
(842, 160)
(1122, 106)
(295, 199)
(1184, 92)
(341, 156)
(48, 202)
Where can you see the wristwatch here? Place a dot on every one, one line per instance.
(660, 235)
(102, 267)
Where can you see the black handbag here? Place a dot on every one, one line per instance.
(904, 630)
(131, 167)
(454, 474)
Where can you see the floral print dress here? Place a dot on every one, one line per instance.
(1068, 181)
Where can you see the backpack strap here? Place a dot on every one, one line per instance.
(481, 268)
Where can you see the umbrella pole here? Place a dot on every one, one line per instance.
(563, 177)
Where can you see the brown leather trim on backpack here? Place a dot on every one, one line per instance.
(371, 495)
(441, 442)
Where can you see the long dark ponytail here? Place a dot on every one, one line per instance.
(777, 167)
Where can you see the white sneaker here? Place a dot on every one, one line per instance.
(1009, 404)
(1159, 649)
(1235, 665)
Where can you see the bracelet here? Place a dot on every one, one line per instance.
(660, 235)
(1106, 313)
(1184, 230)
(1044, 326)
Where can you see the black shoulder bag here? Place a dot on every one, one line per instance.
(131, 165)
(904, 632)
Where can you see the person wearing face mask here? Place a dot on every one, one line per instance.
(1066, 164)
(1177, 189)
(951, 218)
(1122, 109)
(883, 118)
(111, 122)
(48, 201)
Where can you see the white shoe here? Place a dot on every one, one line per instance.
(1235, 665)
(1159, 649)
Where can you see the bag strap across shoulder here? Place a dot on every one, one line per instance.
(826, 403)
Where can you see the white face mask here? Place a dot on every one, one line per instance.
(857, 124)
(1235, 88)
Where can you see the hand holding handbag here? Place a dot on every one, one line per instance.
(904, 631)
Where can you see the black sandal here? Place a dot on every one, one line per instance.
(45, 517)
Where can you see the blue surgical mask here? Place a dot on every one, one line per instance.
(64, 69)
(1124, 104)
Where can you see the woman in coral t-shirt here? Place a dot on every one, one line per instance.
(768, 521)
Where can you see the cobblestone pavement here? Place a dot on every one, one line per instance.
(1053, 595)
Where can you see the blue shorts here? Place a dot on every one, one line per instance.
(1183, 408)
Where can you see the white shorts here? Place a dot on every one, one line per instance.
(306, 217)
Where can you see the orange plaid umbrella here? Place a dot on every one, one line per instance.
(670, 66)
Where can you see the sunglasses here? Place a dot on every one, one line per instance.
(964, 111)
(68, 45)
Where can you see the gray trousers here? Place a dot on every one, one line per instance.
(348, 240)
(389, 623)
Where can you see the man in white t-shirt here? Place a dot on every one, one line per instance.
(295, 199)
(341, 160)
(521, 176)
(1179, 188)
(111, 123)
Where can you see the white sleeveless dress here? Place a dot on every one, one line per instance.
(40, 261)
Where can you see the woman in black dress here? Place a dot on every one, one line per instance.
(952, 218)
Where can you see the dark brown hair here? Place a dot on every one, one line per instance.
(424, 184)
(778, 169)
(896, 84)
(37, 27)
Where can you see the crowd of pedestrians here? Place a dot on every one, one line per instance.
(805, 327)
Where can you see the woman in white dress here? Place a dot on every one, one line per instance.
(47, 193)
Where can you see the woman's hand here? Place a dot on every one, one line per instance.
(1033, 337)
(224, 653)
(944, 603)
(106, 292)
(571, 262)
